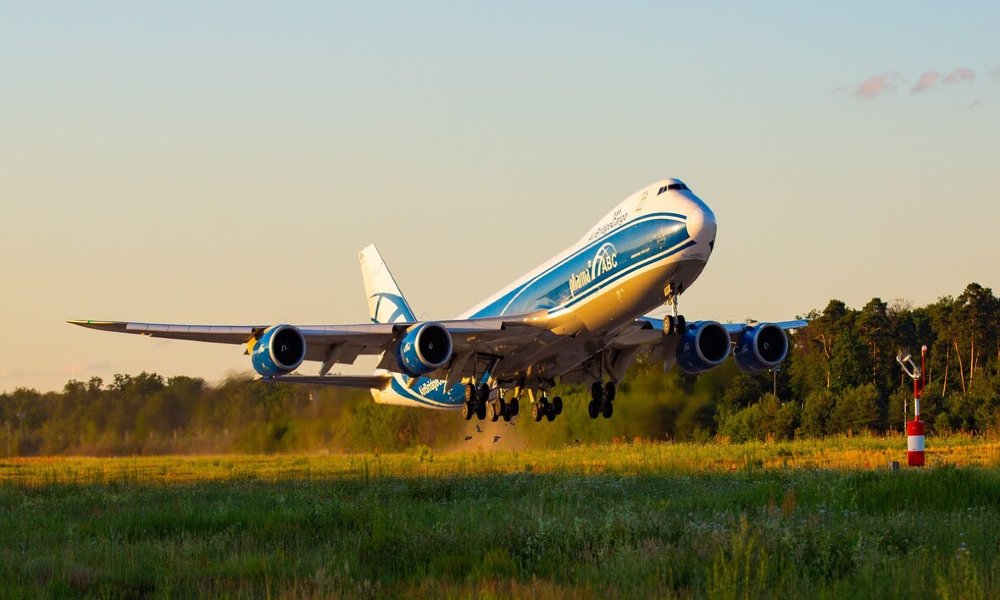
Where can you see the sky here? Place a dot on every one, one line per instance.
(197, 162)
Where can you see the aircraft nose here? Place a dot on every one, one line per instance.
(701, 224)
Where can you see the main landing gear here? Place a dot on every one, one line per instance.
(602, 400)
(547, 409)
(478, 404)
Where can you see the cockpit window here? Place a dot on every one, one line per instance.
(672, 186)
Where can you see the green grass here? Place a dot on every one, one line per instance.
(631, 520)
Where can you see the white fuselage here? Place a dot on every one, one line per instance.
(652, 245)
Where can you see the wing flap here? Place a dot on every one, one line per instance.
(366, 382)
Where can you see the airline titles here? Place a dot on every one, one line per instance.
(605, 260)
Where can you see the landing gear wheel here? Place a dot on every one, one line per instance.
(610, 391)
(594, 409)
(550, 414)
(597, 392)
(515, 407)
(537, 412)
(506, 414)
(497, 410)
(470, 393)
(482, 399)
(467, 411)
(557, 406)
(674, 325)
(607, 409)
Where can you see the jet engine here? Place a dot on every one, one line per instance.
(705, 345)
(280, 350)
(761, 348)
(425, 347)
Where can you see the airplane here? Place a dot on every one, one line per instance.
(582, 316)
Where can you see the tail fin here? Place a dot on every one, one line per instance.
(386, 303)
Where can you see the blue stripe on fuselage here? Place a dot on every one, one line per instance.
(429, 392)
(619, 275)
(631, 246)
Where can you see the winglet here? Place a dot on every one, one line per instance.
(101, 325)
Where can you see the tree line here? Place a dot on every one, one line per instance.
(841, 377)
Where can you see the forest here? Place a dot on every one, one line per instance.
(841, 377)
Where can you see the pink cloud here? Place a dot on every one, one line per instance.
(926, 82)
(876, 85)
(960, 75)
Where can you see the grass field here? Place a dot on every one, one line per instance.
(799, 519)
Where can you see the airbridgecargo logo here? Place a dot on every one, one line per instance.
(604, 262)
(431, 386)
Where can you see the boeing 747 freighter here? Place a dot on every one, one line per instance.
(580, 317)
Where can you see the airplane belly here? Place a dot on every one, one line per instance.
(425, 393)
(616, 305)
(623, 301)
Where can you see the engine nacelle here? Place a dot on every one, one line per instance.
(426, 347)
(705, 345)
(280, 350)
(760, 348)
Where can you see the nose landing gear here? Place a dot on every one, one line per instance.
(674, 324)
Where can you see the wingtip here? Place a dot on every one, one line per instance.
(92, 324)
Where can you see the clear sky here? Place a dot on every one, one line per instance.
(223, 163)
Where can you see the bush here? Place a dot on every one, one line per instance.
(768, 418)
(856, 410)
(816, 414)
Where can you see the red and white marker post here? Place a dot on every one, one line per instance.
(915, 428)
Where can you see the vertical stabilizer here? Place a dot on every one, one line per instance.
(386, 303)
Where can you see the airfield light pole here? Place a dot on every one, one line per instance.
(915, 428)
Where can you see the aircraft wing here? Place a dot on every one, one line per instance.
(645, 334)
(342, 344)
(735, 330)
